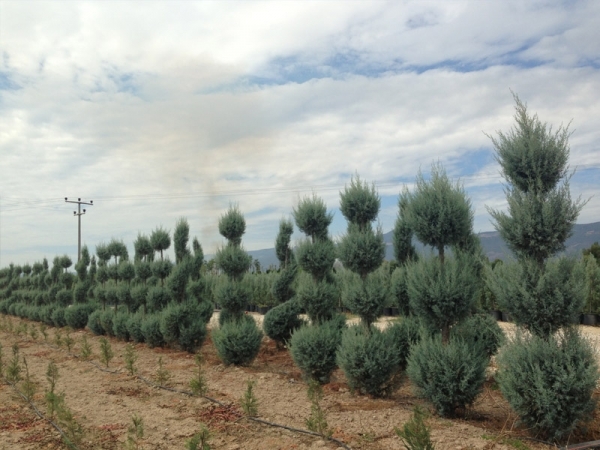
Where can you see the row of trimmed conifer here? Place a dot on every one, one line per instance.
(443, 342)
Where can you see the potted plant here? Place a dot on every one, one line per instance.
(592, 290)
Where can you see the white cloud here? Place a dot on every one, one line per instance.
(154, 114)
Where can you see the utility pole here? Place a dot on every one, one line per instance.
(78, 213)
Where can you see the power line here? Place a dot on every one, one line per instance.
(17, 204)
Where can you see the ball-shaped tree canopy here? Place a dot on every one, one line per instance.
(439, 211)
(312, 218)
(232, 225)
(360, 203)
(160, 240)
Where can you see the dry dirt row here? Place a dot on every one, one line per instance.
(104, 403)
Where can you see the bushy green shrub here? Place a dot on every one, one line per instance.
(370, 360)
(540, 298)
(157, 299)
(233, 297)
(318, 299)
(238, 341)
(404, 335)
(64, 297)
(33, 312)
(77, 315)
(549, 382)
(120, 328)
(151, 331)
(313, 349)
(281, 321)
(442, 294)
(184, 324)
(481, 330)
(106, 319)
(134, 326)
(366, 297)
(192, 336)
(95, 323)
(316, 257)
(399, 291)
(46, 314)
(58, 317)
(233, 260)
(80, 291)
(449, 376)
(4, 304)
(139, 294)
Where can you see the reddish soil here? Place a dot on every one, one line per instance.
(103, 403)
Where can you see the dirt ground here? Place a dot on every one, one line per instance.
(104, 403)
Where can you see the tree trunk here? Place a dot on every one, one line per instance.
(445, 334)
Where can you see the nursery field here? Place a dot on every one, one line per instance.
(103, 402)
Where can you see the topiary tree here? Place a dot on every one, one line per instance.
(441, 292)
(280, 322)
(238, 333)
(449, 372)
(181, 236)
(143, 249)
(362, 251)
(367, 356)
(405, 253)
(160, 240)
(315, 255)
(547, 378)
(313, 347)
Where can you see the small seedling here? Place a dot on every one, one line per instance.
(249, 401)
(21, 329)
(1, 362)
(44, 331)
(13, 370)
(33, 332)
(52, 375)
(162, 376)
(28, 384)
(415, 434)
(135, 432)
(317, 421)
(58, 341)
(86, 349)
(200, 440)
(69, 341)
(72, 428)
(106, 353)
(53, 401)
(130, 359)
(198, 384)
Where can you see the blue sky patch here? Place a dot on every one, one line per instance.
(6, 83)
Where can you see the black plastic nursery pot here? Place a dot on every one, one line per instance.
(506, 317)
(589, 319)
(263, 309)
(496, 314)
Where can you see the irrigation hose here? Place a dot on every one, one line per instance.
(213, 400)
(42, 416)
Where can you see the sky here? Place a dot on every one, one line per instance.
(158, 110)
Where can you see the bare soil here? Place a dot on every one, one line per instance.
(104, 402)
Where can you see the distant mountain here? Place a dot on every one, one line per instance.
(584, 235)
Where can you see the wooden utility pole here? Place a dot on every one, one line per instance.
(78, 213)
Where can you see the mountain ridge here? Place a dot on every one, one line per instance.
(584, 235)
